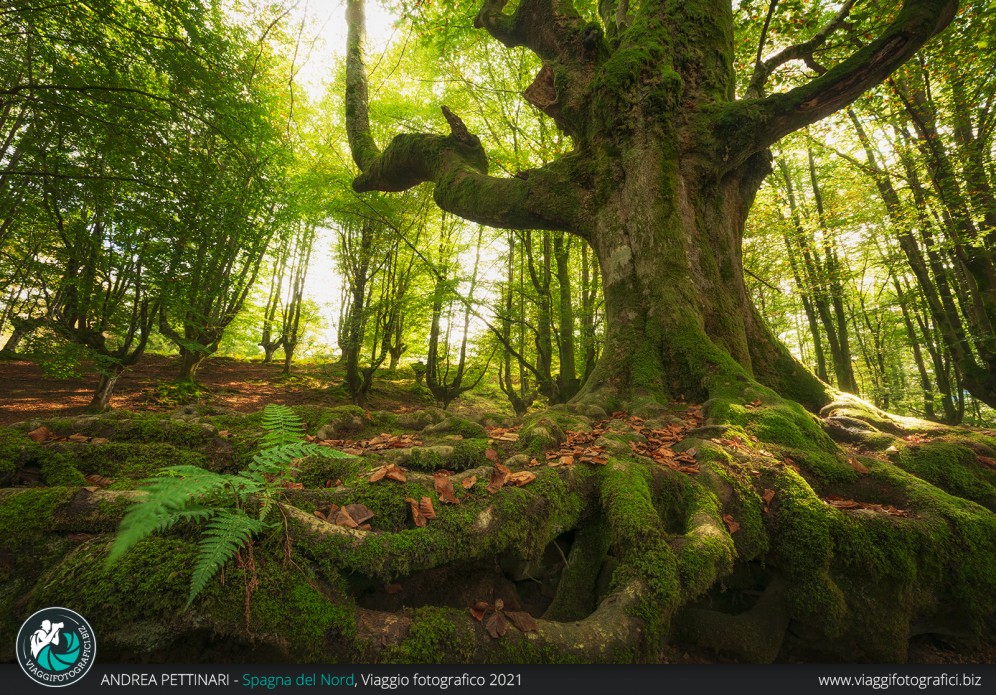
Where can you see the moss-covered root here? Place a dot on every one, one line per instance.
(754, 636)
(641, 545)
(611, 634)
(577, 592)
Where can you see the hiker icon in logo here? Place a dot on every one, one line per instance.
(56, 647)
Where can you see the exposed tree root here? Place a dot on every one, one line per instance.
(782, 544)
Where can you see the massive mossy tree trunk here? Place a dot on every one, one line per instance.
(665, 167)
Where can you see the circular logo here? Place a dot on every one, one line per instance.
(56, 647)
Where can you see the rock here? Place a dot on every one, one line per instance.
(518, 460)
(542, 434)
(420, 419)
(457, 425)
(346, 420)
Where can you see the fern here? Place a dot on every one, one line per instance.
(171, 497)
(282, 426)
(225, 534)
(189, 493)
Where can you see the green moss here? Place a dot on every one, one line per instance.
(15, 446)
(436, 636)
(316, 471)
(639, 542)
(705, 550)
(125, 463)
(458, 425)
(150, 582)
(26, 515)
(129, 427)
(576, 593)
(950, 466)
(292, 605)
(58, 469)
(801, 538)
(818, 602)
(483, 525)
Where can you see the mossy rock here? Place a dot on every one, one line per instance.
(122, 426)
(16, 448)
(541, 434)
(458, 455)
(318, 471)
(137, 604)
(456, 425)
(126, 462)
(342, 422)
(420, 419)
(60, 469)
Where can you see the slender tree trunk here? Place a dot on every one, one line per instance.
(101, 400)
(22, 329)
(568, 383)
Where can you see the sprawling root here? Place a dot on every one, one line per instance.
(782, 543)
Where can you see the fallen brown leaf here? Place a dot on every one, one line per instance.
(360, 512)
(417, 515)
(40, 434)
(425, 506)
(857, 465)
(478, 610)
(520, 478)
(499, 476)
(496, 625)
(491, 455)
(342, 518)
(731, 523)
(444, 488)
(522, 621)
(469, 482)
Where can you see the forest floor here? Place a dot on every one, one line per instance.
(26, 393)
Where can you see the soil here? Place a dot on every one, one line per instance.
(26, 393)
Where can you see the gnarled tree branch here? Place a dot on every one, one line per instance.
(544, 198)
(799, 51)
(754, 124)
(546, 27)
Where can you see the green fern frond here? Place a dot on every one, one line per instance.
(225, 534)
(282, 426)
(275, 458)
(170, 497)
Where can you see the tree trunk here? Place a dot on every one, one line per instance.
(190, 364)
(677, 308)
(22, 329)
(101, 400)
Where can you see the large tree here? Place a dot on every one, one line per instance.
(665, 166)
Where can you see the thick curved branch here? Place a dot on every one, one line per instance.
(754, 124)
(799, 51)
(456, 163)
(546, 27)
